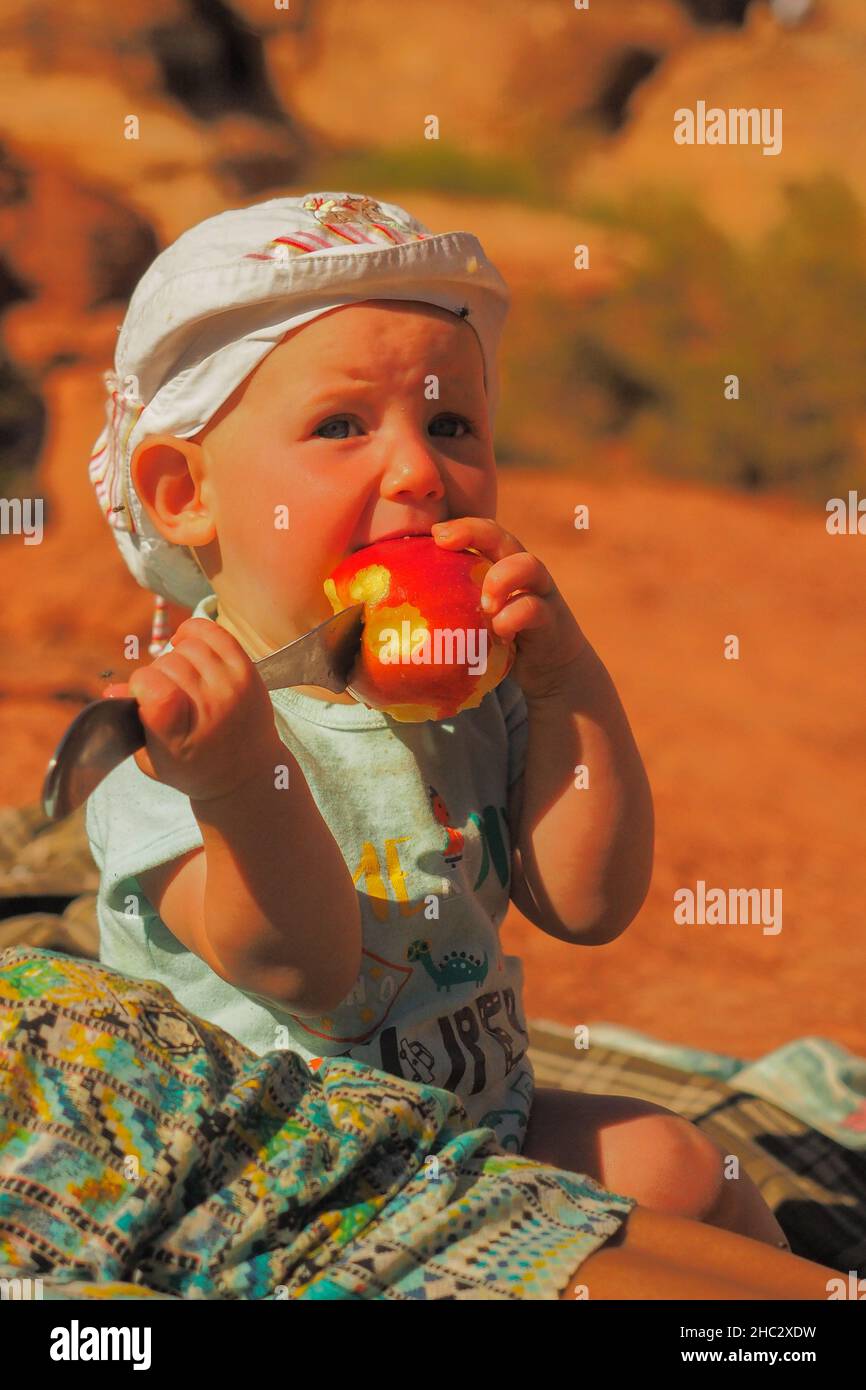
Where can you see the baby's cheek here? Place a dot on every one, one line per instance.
(294, 524)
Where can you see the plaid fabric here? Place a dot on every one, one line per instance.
(816, 1188)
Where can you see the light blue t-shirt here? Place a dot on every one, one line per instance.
(419, 813)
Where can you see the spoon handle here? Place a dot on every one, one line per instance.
(106, 731)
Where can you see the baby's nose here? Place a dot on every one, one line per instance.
(412, 468)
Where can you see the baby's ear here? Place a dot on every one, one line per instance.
(166, 473)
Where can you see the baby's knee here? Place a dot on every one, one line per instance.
(684, 1169)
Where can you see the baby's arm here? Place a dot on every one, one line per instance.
(582, 858)
(268, 901)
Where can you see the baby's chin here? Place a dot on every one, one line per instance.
(264, 632)
(265, 610)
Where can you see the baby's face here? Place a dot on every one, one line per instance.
(335, 428)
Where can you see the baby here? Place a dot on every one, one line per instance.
(295, 381)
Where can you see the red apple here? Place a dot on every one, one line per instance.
(428, 650)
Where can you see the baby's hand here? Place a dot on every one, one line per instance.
(522, 602)
(207, 717)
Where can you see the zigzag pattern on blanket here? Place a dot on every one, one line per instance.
(141, 1147)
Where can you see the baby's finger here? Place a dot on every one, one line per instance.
(480, 533)
(520, 614)
(214, 677)
(164, 708)
(214, 638)
(520, 571)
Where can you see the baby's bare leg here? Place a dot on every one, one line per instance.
(645, 1151)
(655, 1256)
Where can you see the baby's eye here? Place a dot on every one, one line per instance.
(338, 420)
(451, 420)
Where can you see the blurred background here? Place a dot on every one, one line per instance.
(707, 515)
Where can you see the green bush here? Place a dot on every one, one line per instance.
(438, 167)
(648, 362)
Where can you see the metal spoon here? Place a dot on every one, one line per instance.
(107, 731)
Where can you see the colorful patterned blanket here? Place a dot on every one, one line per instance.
(145, 1153)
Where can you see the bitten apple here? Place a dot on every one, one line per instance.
(428, 650)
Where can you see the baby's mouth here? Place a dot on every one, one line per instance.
(396, 534)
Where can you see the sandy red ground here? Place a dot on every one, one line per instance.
(756, 765)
